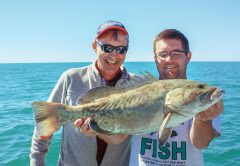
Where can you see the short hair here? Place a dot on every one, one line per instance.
(172, 34)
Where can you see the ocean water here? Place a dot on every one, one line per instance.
(23, 83)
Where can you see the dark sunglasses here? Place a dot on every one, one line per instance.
(109, 48)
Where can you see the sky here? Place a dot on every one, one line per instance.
(63, 31)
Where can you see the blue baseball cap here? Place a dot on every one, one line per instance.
(111, 24)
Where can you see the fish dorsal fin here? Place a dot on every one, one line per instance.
(137, 81)
(104, 91)
(164, 133)
(96, 93)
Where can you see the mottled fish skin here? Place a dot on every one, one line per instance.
(135, 109)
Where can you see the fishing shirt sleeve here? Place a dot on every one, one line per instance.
(216, 123)
(39, 148)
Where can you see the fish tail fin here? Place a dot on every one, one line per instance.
(47, 118)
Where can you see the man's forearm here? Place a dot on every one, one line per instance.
(39, 149)
(202, 133)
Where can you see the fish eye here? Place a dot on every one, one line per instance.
(201, 86)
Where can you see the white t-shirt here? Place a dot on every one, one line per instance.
(178, 150)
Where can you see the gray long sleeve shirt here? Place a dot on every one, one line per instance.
(76, 148)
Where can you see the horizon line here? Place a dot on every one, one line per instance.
(92, 61)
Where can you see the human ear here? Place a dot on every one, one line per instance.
(94, 46)
(189, 56)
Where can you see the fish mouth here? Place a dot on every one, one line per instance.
(214, 93)
(217, 93)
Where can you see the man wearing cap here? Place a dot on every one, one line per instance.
(80, 145)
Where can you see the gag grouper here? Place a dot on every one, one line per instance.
(145, 105)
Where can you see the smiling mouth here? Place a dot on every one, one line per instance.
(111, 62)
(170, 67)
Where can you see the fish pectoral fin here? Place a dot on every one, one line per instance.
(95, 127)
(164, 133)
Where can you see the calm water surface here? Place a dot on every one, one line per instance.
(23, 83)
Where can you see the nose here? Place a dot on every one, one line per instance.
(113, 54)
(169, 57)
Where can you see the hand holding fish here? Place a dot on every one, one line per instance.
(202, 131)
(83, 124)
(211, 112)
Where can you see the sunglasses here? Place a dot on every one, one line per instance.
(109, 48)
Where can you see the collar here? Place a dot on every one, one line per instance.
(96, 77)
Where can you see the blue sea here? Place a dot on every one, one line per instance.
(22, 84)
